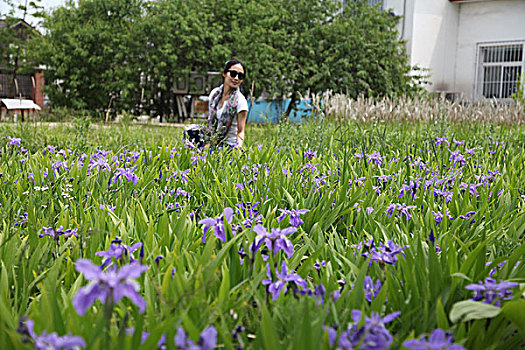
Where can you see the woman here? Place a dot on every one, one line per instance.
(228, 107)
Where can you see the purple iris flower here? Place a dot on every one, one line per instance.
(318, 265)
(359, 181)
(312, 168)
(128, 174)
(457, 157)
(413, 187)
(110, 285)
(437, 340)
(179, 175)
(99, 162)
(49, 231)
(14, 141)
(173, 206)
(274, 240)
(195, 158)
(371, 290)
(118, 251)
(467, 215)
(499, 266)
(384, 254)
(144, 336)
(51, 149)
(432, 239)
(384, 178)
(374, 158)
(458, 143)
(440, 140)
(310, 154)
(401, 208)
(251, 215)
(283, 277)
(447, 195)
(50, 341)
(22, 219)
(438, 217)
(492, 292)
(373, 335)
(218, 225)
(108, 207)
(207, 340)
(319, 292)
(295, 216)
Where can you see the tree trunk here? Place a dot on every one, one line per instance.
(291, 106)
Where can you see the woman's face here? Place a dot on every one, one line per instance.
(233, 82)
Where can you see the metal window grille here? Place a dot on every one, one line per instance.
(499, 70)
(8, 88)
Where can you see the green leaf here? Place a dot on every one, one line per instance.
(269, 333)
(441, 316)
(472, 310)
(515, 311)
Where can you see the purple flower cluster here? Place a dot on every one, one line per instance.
(295, 216)
(492, 292)
(51, 341)
(128, 174)
(108, 286)
(373, 335)
(55, 234)
(118, 251)
(218, 224)
(207, 340)
(382, 253)
(437, 340)
(371, 289)
(375, 158)
(283, 277)
(251, 216)
(402, 209)
(310, 154)
(22, 219)
(14, 141)
(275, 240)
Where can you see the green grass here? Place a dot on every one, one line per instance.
(197, 285)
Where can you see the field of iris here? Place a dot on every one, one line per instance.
(318, 235)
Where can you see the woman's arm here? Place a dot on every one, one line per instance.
(241, 122)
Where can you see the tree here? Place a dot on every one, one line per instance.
(172, 45)
(130, 52)
(87, 50)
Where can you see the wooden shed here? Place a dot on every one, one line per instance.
(14, 108)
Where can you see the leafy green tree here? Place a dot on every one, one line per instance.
(131, 52)
(172, 45)
(87, 53)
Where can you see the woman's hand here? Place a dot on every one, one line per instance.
(241, 123)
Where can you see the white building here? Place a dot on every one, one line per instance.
(471, 47)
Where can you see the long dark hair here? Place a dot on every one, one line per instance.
(233, 62)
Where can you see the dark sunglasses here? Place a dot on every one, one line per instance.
(234, 73)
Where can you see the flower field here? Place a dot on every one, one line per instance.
(320, 235)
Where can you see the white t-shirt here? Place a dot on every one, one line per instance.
(242, 105)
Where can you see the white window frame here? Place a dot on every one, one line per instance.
(479, 78)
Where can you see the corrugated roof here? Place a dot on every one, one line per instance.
(16, 103)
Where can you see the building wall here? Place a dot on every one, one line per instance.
(481, 22)
(38, 90)
(430, 29)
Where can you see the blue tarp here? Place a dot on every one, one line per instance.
(271, 111)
